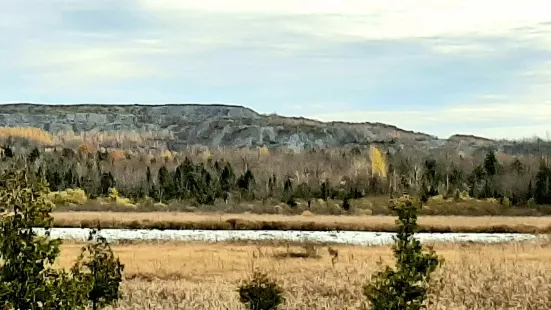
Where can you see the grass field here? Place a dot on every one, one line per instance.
(205, 276)
(181, 220)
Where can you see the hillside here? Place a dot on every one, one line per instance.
(176, 126)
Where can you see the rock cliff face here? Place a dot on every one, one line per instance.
(225, 126)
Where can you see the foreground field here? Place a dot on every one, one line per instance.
(181, 220)
(200, 276)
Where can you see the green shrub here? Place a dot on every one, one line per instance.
(260, 293)
(406, 287)
(506, 202)
(27, 278)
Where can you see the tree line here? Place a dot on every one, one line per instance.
(332, 174)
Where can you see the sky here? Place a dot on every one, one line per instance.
(480, 67)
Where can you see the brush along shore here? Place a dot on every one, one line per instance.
(307, 222)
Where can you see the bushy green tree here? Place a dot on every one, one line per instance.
(407, 286)
(27, 278)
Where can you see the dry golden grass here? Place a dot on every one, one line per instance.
(205, 276)
(181, 220)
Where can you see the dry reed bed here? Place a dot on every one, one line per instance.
(180, 220)
(204, 276)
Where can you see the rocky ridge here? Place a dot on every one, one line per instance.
(236, 126)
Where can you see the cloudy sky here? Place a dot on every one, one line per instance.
(478, 67)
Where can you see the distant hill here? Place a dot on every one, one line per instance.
(235, 126)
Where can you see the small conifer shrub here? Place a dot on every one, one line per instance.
(406, 287)
(260, 293)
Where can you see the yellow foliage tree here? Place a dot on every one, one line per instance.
(378, 162)
(167, 155)
(263, 151)
(30, 133)
(206, 154)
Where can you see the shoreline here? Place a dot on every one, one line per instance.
(307, 223)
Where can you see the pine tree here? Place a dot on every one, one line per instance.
(246, 181)
(227, 178)
(107, 181)
(407, 286)
(165, 183)
(8, 152)
(34, 155)
(491, 164)
(543, 185)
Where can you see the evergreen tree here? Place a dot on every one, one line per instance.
(491, 164)
(476, 178)
(27, 277)
(272, 184)
(53, 178)
(107, 181)
(8, 152)
(34, 155)
(165, 183)
(325, 190)
(149, 186)
(148, 176)
(406, 287)
(70, 178)
(227, 178)
(288, 186)
(517, 166)
(246, 181)
(543, 185)
(530, 191)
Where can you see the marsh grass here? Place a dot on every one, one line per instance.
(177, 275)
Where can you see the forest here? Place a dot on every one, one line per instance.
(203, 176)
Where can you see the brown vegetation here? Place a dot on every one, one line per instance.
(205, 276)
(181, 220)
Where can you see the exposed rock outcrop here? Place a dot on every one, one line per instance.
(229, 126)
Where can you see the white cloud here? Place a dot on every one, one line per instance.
(492, 121)
(279, 28)
(377, 19)
(78, 64)
(469, 49)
